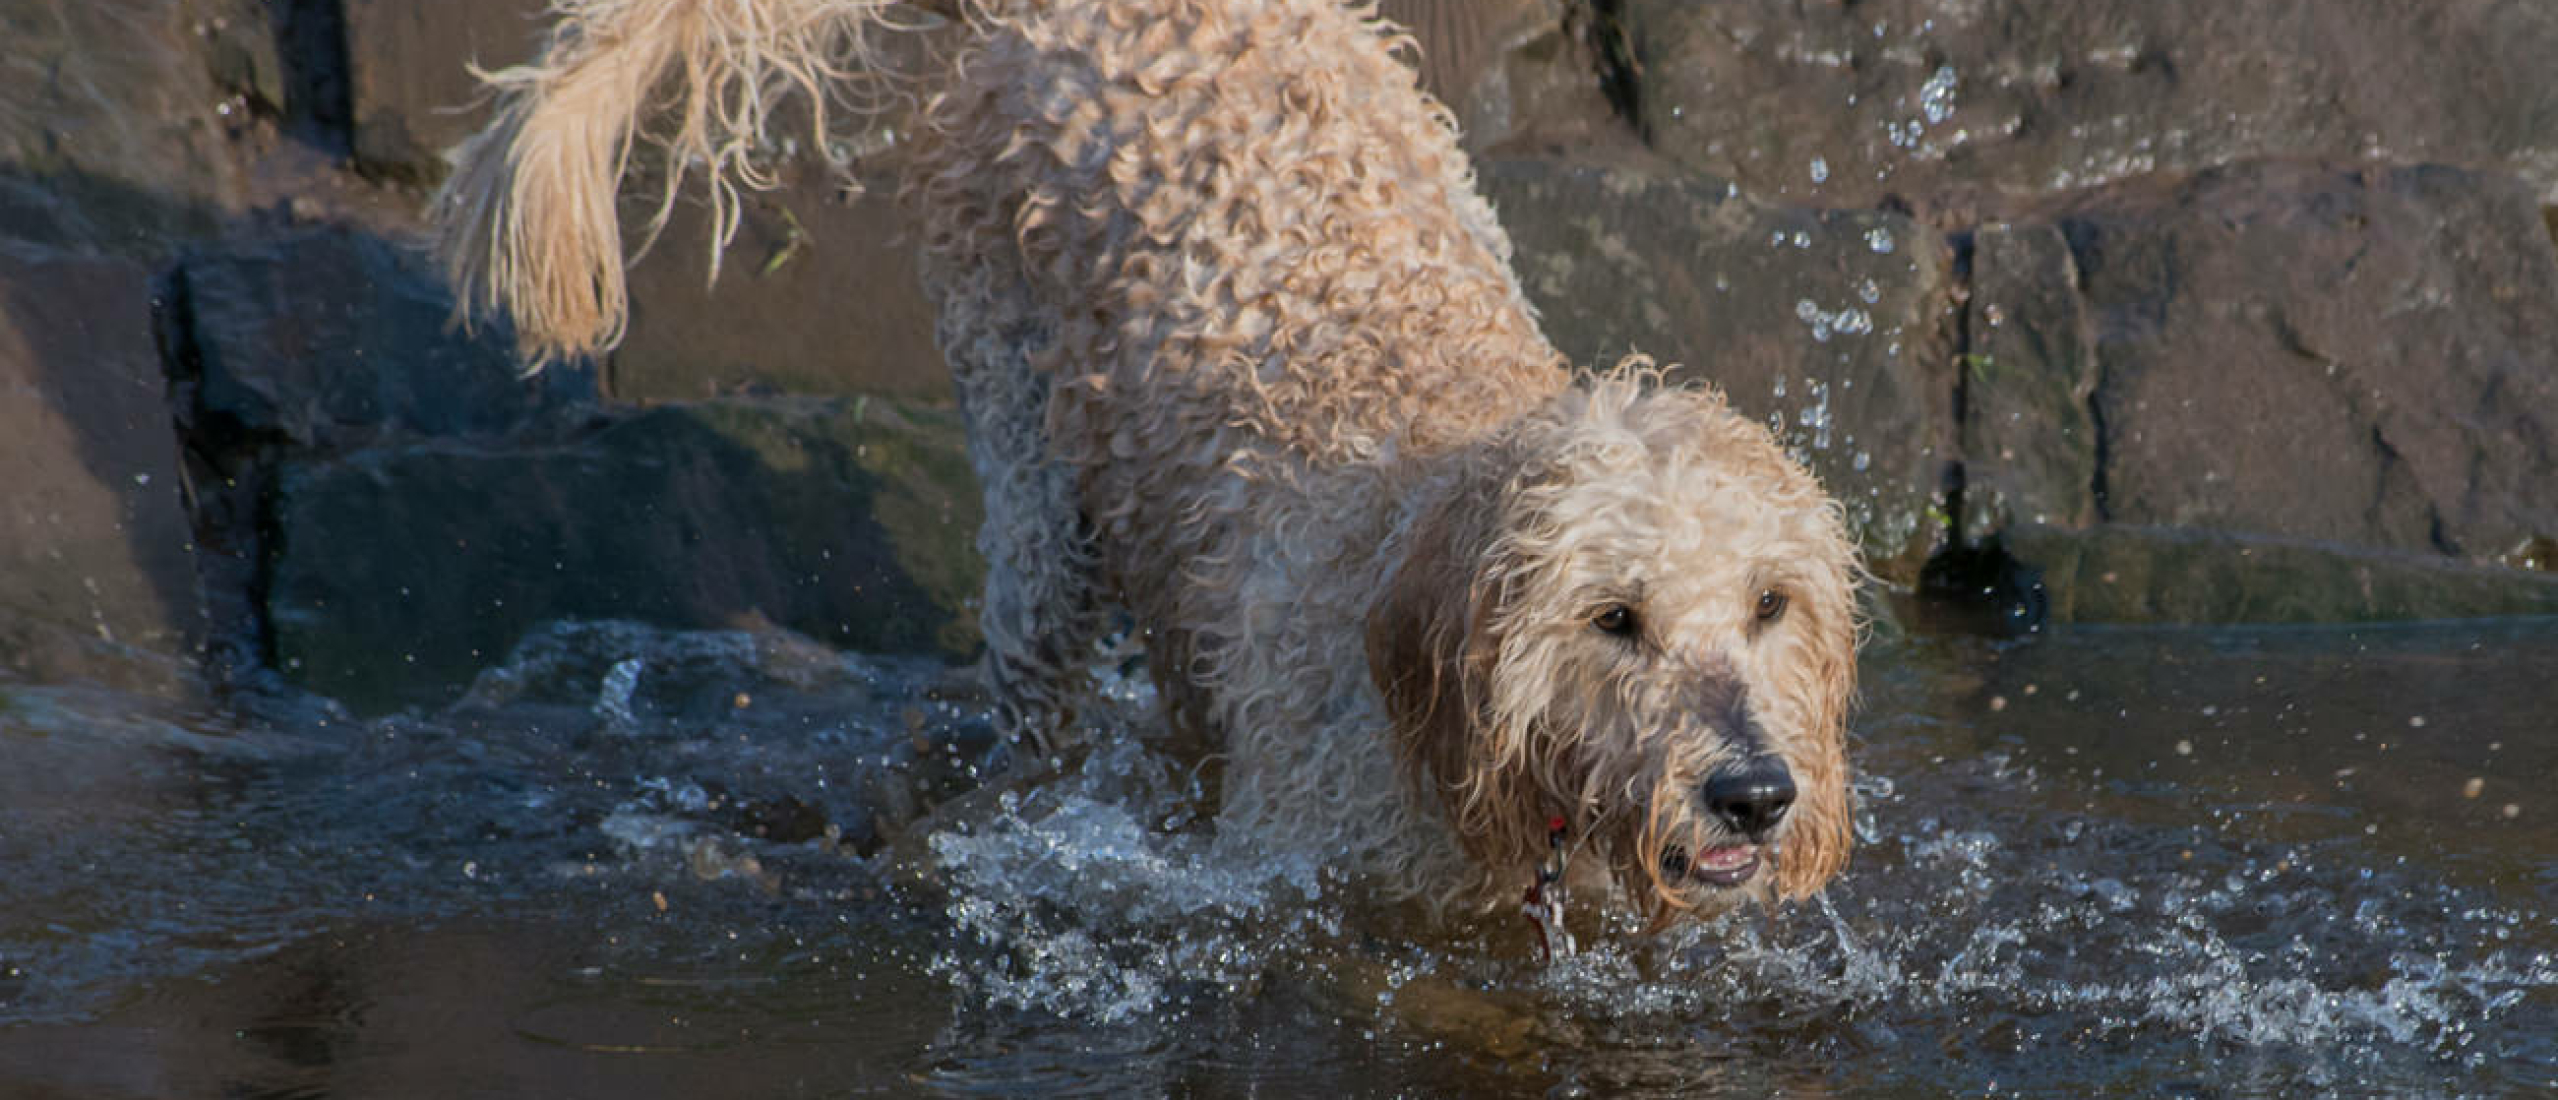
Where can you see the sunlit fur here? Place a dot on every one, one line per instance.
(1241, 352)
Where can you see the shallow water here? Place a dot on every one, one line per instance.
(2124, 862)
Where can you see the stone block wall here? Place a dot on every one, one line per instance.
(2123, 311)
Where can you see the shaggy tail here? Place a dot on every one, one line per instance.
(526, 223)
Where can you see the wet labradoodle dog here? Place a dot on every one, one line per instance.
(1241, 353)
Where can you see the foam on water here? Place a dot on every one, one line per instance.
(1078, 901)
(1998, 935)
(2096, 936)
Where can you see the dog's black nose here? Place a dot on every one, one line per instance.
(1751, 796)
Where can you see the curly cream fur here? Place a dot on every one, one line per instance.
(1242, 353)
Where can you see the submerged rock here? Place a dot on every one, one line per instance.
(900, 735)
(401, 571)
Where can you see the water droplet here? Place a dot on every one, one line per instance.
(1936, 97)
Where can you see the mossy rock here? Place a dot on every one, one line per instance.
(400, 572)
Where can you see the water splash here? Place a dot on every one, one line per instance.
(1815, 417)
(1077, 901)
(613, 698)
(1984, 934)
(2012, 943)
(2003, 928)
(1936, 105)
(1824, 323)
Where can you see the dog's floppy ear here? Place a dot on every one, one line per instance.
(1426, 651)
(1816, 845)
(1416, 643)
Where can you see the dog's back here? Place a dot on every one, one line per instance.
(1258, 244)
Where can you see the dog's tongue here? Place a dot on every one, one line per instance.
(1730, 858)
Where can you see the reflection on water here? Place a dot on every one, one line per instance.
(2256, 862)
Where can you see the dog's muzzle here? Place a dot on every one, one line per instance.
(1750, 797)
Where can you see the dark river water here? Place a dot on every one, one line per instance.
(2204, 863)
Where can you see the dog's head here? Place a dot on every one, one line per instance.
(1633, 611)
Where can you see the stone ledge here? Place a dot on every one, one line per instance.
(402, 571)
(2121, 574)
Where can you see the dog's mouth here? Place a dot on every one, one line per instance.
(1725, 866)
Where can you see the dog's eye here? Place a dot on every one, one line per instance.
(1771, 605)
(1616, 619)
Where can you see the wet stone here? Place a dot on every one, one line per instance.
(97, 565)
(1950, 104)
(2028, 440)
(1511, 71)
(817, 295)
(2361, 357)
(615, 689)
(782, 820)
(664, 684)
(1828, 326)
(2125, 574)
(331, 337)
(401, 571)
(409, 85)
(114, 129)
